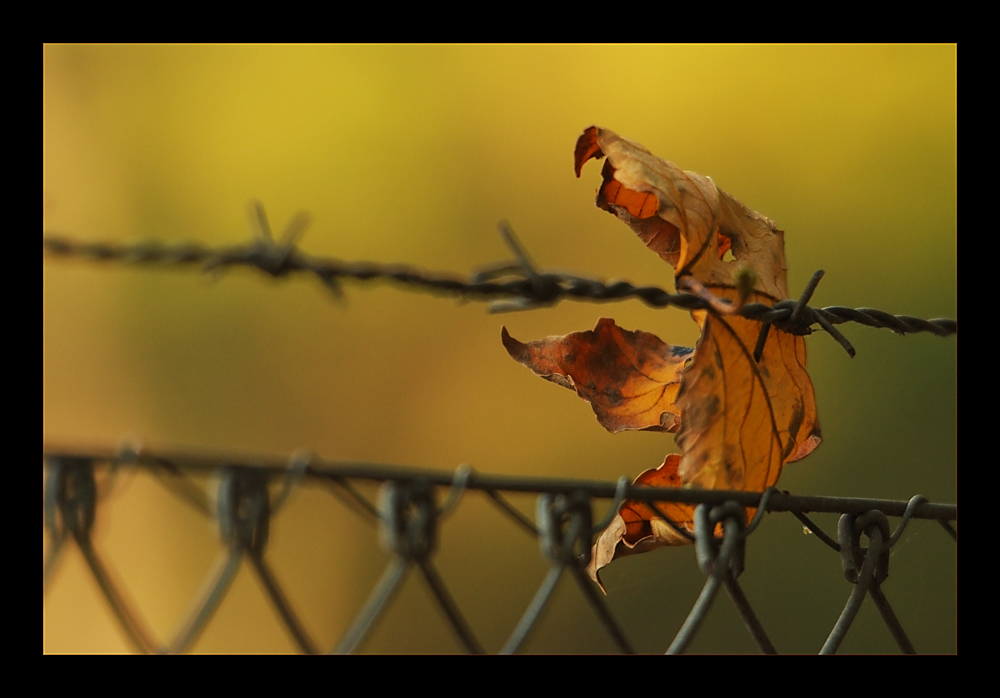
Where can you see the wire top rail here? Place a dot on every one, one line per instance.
(311, 466)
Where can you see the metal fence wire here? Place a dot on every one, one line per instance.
(413, 504)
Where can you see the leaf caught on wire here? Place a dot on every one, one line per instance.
(738, 420)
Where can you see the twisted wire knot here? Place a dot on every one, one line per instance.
(409, 519)
(70, 500)
(718, 558)
(565, 523)
(875, 526)
(244, 510)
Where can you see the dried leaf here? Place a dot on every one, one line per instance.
(683, 216)
(631, 379)
(742, 420)
(639, 527)
(739, 421)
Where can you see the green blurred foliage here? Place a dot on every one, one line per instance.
(412, 154)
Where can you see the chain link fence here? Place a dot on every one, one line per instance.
(409, 514)
(413, 505)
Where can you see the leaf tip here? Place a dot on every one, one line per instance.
(604, 550)
(586, 148)
(807, 446)
(515, 348)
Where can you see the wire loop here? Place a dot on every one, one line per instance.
(244, 510)
(715, 559)
(852, 556)
(409, 519)
(70, 500)
(565, 525)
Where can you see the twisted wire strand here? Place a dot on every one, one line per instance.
(517, 286)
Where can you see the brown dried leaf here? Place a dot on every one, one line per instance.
(639, 528)
(631, 379)
(744, 420)
(739, 420)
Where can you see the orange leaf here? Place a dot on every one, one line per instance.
(631, 379)
(740, 421)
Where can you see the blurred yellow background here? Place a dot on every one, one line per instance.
(413, 154)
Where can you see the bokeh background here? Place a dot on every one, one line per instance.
(413, 154)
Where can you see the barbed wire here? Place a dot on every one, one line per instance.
(511, 286)
(409, 517)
